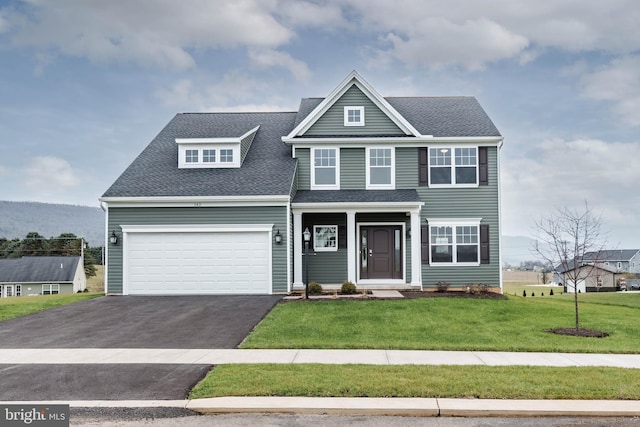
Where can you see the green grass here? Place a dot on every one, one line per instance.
(513, 324)
(21, 306)
(509, 382)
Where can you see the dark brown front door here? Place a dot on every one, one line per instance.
(381, 252)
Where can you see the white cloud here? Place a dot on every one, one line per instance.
(618, 82)
(50, 174)
(269, 58)
(149, 33)
(3, 171)
(563, 173)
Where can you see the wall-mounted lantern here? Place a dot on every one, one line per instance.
(113, 239)
(278, 237)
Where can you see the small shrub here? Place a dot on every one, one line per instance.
(315, 288)
(524, 293)
(348, 288)
(533, 294)
(442, 286)
(551, 292)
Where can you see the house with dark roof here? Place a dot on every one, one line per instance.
(604, 270)
(41, 275)
(392, 193)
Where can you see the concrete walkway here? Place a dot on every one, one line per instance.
(68, 356)
(330, 405)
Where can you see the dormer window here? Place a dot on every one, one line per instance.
(222, 152)
(354, 116)
(191, 156)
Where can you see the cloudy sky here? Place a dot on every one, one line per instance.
(85, 85)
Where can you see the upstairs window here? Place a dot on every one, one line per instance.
(354, 116)
(380, 168)
(453, 166)
(325, 172)
(226, 156)
(191, 156)
(209, 156)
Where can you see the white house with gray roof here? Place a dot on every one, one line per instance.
(396, 192)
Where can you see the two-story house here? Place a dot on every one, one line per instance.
(398, 192)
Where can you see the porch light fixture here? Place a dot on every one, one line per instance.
(278, 237)
(113, 239)
(307, 238)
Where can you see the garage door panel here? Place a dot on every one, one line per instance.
(198, 263)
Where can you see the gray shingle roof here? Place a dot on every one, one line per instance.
(29, 269)
(356, 196)
(611, 255)
(448, 116)
(268, 168)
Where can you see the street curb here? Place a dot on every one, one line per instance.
(424, 407)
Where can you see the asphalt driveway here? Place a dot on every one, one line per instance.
(125, 322)
(141, 322)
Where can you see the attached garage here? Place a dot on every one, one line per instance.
(197, 260)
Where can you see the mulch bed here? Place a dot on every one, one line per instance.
(452, 294)
(581, 332)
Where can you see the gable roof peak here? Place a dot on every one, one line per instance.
(353, 78)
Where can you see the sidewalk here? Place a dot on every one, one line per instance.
(351, 406)
(367, 357)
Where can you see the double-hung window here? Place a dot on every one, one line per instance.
(454, 243)
(380, 168)
(453, 166)
(50, 289)
(325, 170)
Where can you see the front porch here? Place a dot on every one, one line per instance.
(362, 236)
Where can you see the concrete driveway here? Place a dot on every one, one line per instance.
(178, 322)
(141, 322)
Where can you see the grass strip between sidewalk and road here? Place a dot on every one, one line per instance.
(509, 324)
(482, 382)
(21, 306)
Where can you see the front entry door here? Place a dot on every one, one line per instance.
(381, 252)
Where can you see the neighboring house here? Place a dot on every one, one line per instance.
(605, 270)
(46, 275)
(396, 193)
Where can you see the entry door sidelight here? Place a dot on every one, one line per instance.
(381, 252)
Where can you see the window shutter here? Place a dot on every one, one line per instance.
(424, 233)
(423, 166)
(483, 166)
(484, 243)
(342, 237)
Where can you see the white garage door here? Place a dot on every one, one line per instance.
(173, 263)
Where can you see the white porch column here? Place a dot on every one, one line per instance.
(352, 246)
(297, 249)
(416, 249)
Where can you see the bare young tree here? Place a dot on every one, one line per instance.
(563, 238)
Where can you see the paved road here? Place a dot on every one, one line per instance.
(124, 322)
(166, 418)
(140, 322)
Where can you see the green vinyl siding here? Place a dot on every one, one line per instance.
(327, 268)
(480, 202)
(352, 169)
(406, 167)
(245, 144)
(276, 215)
(304, 168)
(332, 121)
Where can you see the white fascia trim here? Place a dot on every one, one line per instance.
(195, 201)
(357, 207)
(224, 140)
(353, 78)
(408, 141)
(197, 228)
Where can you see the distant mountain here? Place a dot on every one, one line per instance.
(516, 249)
(50, 220)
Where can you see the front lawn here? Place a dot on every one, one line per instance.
(483, 382)
(512, 324)
(21, 306)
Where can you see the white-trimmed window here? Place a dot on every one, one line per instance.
(209, 155)
(325, 238)
(380, 168)
(226, 155)
(325, 170)
(453, 166)
(18, 290)
(191, 156)
(50, 289)
(353, 116)
(454, 243)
